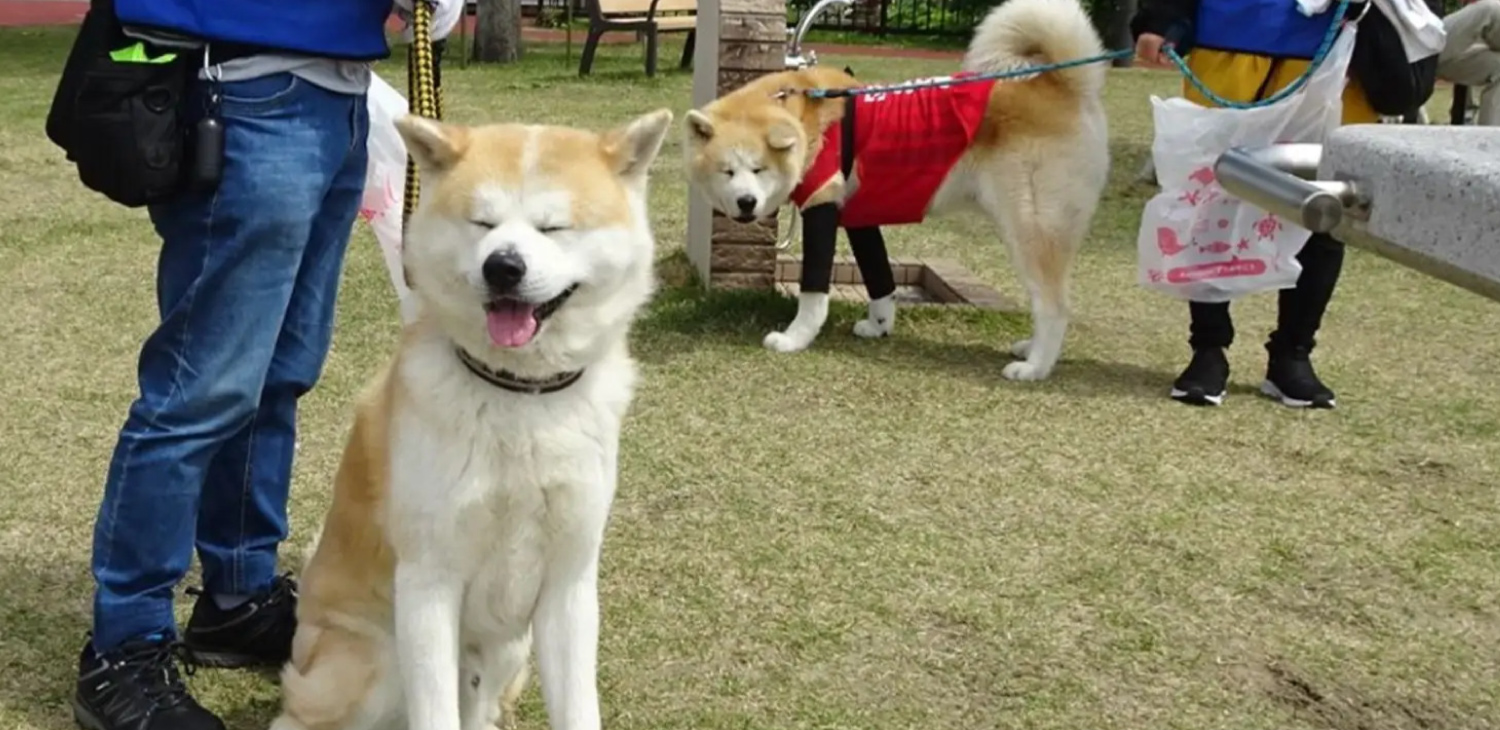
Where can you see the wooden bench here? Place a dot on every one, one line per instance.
(645, 17)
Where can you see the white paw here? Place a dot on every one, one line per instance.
(1022, 349)
(783, 342)
(1023, 371)
(869, 328)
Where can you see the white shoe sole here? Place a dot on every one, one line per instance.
(1269, 390)
(1208, 399)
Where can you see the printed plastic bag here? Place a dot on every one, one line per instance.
(1198, 242)
(385, 184)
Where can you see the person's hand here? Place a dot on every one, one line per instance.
(1148, 49)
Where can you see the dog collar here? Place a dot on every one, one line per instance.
(507, 380)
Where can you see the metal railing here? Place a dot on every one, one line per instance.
(955, 18)
(1283, 179)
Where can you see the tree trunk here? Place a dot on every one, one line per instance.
(1117, 32)
(497, 33)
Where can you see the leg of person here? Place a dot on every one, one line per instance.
(225, 278)
(1206, 378)
(1489, 100)
(1472, 55)
(1475, 24)
(1289, 373)
(246, 615)
(1478, 68)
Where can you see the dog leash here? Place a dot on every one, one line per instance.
(1317, 60)
(1171, 52)
(424, 92)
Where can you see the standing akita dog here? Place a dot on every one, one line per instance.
(1031, 152)
(470, 506)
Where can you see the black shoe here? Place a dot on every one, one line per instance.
(136, 687)
(255, 634)
(1291, 380)
(1204, 381)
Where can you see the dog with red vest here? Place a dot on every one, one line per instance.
(1030, 151)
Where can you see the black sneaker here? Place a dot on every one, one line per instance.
(255, 634)
(137, 687)
(1204, 381)
(1291, 380)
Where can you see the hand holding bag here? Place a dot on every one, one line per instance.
(1196, 241)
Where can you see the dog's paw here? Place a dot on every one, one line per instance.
(871, 329)
(1021, 349)
(783, 342)
(1023, 371)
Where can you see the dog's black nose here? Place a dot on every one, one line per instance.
(746, 204)
(503, 271)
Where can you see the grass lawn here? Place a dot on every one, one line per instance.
(870, 534)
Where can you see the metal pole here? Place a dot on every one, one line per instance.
(1278, 178)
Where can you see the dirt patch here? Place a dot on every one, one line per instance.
(1335, 706)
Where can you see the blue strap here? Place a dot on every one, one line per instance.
(1318, 58)
(1333, 31)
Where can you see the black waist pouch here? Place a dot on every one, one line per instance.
(118, 112)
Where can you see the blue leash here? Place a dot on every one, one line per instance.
(928, 83)
(1317, 60)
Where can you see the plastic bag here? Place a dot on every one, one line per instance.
(1196, 241)
(385, 184)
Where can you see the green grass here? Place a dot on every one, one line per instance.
(870, 534)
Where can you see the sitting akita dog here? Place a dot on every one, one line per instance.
(469, 509)
(1031, 152)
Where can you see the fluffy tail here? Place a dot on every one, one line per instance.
(1022, 33)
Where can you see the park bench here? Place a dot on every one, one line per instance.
(644, 17)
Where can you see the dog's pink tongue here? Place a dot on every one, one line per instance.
(511, 323)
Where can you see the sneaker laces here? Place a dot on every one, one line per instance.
(157, 668)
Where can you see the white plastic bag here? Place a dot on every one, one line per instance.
(385, 184)
(1198, 242)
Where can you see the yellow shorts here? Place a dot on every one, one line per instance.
(1244, 77)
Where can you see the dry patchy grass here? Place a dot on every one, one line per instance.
(871, 534)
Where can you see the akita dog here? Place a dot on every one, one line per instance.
(1031, 152)
(470, 506)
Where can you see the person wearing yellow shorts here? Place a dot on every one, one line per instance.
(1244, 51)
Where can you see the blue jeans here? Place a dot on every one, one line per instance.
(246, 284)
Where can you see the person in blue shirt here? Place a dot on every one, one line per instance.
(246, 281)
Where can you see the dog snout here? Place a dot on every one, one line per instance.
(503, 271)
(746, 204)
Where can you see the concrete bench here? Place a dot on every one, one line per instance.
(1433, 197)
(1427, 197)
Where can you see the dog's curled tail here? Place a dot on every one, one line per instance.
(1022, 33)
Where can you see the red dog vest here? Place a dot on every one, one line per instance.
(905, 143)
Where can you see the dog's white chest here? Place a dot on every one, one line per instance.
(528, 490)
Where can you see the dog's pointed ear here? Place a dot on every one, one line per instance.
(434, 145)
(631, 149)
(782, 136)
(699, 125)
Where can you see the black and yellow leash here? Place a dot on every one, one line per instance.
(424, 93)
